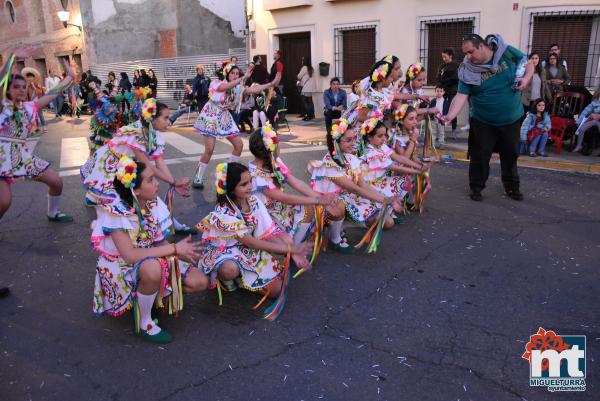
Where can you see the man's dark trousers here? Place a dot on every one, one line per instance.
(331, 115)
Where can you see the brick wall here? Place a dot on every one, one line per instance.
(168, 43)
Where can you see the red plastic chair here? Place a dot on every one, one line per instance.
(557, 132)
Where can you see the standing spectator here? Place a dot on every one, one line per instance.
(111, 85)
(307, 88)
(260, 75)
(136, 78)
(554, 78)
(276, 68)
(144, 79)
(447, 78)
(554, 48)
(335, 102)
(534, 89)
(152, 82)
(35, 90)
(441, 104)
(200, 85)
(487, 76)
(125, 86)
(51, 81)
(234, 60)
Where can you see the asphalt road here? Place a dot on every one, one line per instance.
(441, 312)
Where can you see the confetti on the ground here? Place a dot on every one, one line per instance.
(345, 385)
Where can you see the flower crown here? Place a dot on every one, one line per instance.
(339, 128)
(142, 93)
(221, 181)
(414, 70)
(126, 171)
(368, 126)
(228, 68)
(400, 112)
(269, 138)
(381, 72)
(148, 112)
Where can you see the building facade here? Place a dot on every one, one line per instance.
(346, 36)
(35, 24)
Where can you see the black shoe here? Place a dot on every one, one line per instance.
(514, 194)
(476, 196)
(4, 292)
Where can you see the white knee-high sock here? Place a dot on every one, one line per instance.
(301, 233)
(145, 302)
(335, 231)
(234, 158)
(53, 203)
(201, 170)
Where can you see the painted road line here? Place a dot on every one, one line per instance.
(183, 144)
(74, 151)
(221, 156)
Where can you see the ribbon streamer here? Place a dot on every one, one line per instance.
(6, 73)
(273, 312)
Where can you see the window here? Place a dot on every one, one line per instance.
(437, 34)
(578, 35)
(355, 52)
(10, 9)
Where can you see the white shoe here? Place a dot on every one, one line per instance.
(577, 149)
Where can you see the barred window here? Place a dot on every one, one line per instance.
(438, 34)
(577, 34)
(355, 52)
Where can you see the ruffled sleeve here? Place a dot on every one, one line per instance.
(112, 217)
(125, 141)
(222, 227)
(323, 172)
(213, 92)
(376, 161)
(162, 219)
(265, 226)
(261, 180)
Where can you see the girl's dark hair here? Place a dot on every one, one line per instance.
(153, 73)
(233, 68)
(533, 108)
(374, 130)
(331, 148)
(538, 67)
(143, 73)
(14, 77)
(125, 193)
(234, 176)
(377, 65)
(160, 106)
(112, 74)
(409, 110)
(258, 150)
(124, 75)
(407, 80)
(308, 66)
(557, 60)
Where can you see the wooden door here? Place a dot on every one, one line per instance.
(293, 47)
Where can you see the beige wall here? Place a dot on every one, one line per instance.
(398, 23)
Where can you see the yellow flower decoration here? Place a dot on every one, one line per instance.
(226, 69)
(368, 126)
(221, 181)
(269, 138)
(380, 72)
(126, 171)
(149, 109)
(339, 128)
(400, 112)
(414, 70)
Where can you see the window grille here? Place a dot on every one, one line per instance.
(355, 52)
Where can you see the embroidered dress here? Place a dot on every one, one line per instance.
(414, 103)
(325, 171)
(380, 100)
(376, 163)
(215, 119)
(288, 217)
(98, 172)
(17, 160)
(115, 278)
(221, 231)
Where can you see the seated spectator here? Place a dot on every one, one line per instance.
(535, 129)
(555, 77)
(245, 113)
(589, 117)
(186, 106)
(259, 111)
(334, 99)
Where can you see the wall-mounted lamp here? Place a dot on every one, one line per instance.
(63, 16)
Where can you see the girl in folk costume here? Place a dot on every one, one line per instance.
(215, 119)
(412, 92)
(143, 141)
(341, 173)
(395, 73)
(379, 93)
(379, 158)
(242, 239)
(17, 123)
(137, 267)
(293, 213)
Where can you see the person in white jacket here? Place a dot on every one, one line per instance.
(307, 86)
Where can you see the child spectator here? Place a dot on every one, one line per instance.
(535, 129)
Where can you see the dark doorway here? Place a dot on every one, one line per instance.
(293, 47)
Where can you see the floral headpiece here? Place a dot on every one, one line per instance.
(414, 70)
(381, 72)
(271, 141)
(339, 128)
(126, 172)
(400, 112)
(228, 68)
(221, 181)
(142, 93)
(388, 59)
(269, 138)
(149, 109)
(368, 126)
